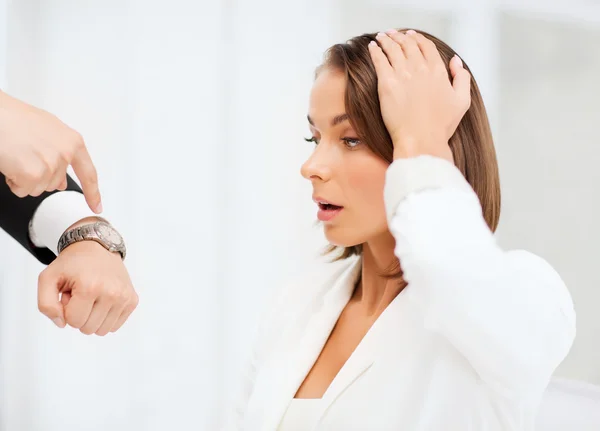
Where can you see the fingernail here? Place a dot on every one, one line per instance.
(411, 32)
(99, 208)
(392, 31)
(372, 43)
(59, 322)
(459, 60)
(380, 35)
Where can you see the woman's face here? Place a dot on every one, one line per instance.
(347, 177)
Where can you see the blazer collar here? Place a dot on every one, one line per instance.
(384, 337)
(287, 369)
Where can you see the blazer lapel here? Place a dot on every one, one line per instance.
(386, 333)
(287, 370)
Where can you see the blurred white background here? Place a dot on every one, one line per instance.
(194, 113)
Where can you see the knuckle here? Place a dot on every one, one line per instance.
(54, 185)
(440, 70)
(131, 306)
(467, 104)
(78, 142)
(43, 277)
(67, 153)
(52, 162)
(394, 36)
(18, 190)
(135, 301)
(48, 166)
(408, 41)
(427, 42)
(44, 307)
(86, 331)
(90, 291)
(463, 104)
(387, 85)
(32, 174)
(36, 192)
(72, 319)
(114, 295)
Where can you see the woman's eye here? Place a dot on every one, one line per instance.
(312, 139)
(351, 142)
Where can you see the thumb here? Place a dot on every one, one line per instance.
(49, 284)
(461, 79)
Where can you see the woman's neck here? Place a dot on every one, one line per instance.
(375, 292)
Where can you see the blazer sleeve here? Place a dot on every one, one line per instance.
(16, 213)
(507, 312)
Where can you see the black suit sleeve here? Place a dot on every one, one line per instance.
(16, 213)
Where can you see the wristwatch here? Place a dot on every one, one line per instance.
(101, 232)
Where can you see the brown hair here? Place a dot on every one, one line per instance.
(471, 144)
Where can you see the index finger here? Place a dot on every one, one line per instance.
(380, 60)
(86, 172)
(428, 48)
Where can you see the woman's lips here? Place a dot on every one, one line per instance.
(327, 211)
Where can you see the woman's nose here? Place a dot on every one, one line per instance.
(316, 167)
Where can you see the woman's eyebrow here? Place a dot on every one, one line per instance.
(338, 119)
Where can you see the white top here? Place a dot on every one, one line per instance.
(470, 344)
(301, 415)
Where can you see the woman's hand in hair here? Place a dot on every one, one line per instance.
(421, 108)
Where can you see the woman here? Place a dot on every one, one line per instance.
(423, 323)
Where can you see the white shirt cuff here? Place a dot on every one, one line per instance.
(406, 176)
(54, 216)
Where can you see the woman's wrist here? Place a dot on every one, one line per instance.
(405, 148)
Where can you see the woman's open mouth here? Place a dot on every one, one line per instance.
(327, 211)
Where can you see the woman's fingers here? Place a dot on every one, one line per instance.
(380, 61)
(429, 50)
(410, 47)
(392, 50)
(461, 82)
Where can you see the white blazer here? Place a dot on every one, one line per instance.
(470, 344)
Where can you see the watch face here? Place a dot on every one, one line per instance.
(108, 234)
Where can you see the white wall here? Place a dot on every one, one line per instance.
(549, 153)
(538, 77)
(190, 112)
(194, 114)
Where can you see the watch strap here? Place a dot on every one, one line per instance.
(87, 232)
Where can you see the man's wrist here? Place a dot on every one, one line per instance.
(83, 222)
(93, 229)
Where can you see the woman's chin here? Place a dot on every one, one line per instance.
(340, 240)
